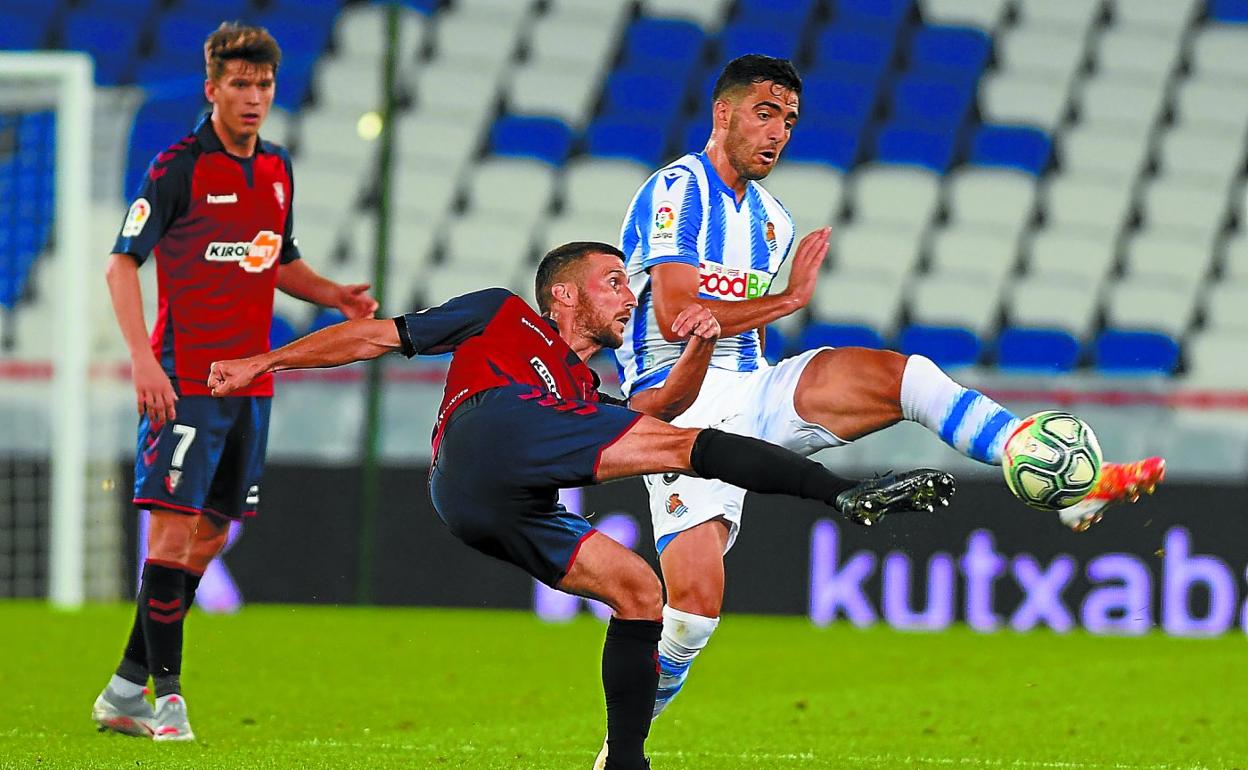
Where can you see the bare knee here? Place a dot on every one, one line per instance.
(698, 597)
(640, 595)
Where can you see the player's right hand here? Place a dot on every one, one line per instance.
(153, 392)
(806, 263)
(225, 377)
(697, 322)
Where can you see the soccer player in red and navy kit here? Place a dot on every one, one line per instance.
(523, 376)
(214, 208)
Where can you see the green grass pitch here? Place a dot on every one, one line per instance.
(318, 687)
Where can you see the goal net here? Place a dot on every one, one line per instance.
(60, 533)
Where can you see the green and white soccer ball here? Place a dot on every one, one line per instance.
(1052, 460)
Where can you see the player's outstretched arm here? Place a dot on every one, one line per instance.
(680, 390)
(675, 286)
(300, 281)
(343, 343)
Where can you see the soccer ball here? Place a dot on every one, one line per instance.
(1052, 461)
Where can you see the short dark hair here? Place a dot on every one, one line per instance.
(757, 68)
(555, 265)
(235, 40)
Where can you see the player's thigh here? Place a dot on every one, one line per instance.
(605, 570)
(851, 392)
(648, 446)
(177, 460)
(235, 488)
(693, 568)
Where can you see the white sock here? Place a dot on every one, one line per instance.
(124, 687)
(684, 636)
(965, 419)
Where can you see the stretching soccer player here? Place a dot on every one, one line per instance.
(519, 374)
(215, 210)
(703, 229)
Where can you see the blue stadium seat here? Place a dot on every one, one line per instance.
(281, 332)
(694, 135)
(740, 39)
(879, 14)
(139, 9)
(632, 94)
(111, 39)
(301, 33)
(27, 27)
(936, 103)
(323, 318)
(1020, 147)
(788, 13)
(632, 138)
(775, 345)
(818, 334)
(916, 145)
(662, 45)
(294, 79)
(1229, 11)
(836, 144)
(954, 53)
(1037, 350)
(547, 139)
(1135, 352)
(158, 124)
(846, 99)
(946, 345)
(839, 47)
(181, 33)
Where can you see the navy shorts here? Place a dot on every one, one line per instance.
(504, 456)
(209, 460)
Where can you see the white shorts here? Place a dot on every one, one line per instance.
(757, 404)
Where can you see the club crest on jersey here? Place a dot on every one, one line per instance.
(675, 506)
(664, 223)
(722, 282)
(173, 481)
(771, 236)
(279, 192)
(254, 256)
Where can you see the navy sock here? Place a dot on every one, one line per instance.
(162, 607)
(630, 679)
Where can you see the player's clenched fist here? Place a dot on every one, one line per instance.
(696, 321)
(225, 377)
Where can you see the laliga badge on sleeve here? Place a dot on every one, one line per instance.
(140, 212)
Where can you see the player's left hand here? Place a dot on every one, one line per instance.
(225, 377)
(696, 321)
(354, 301)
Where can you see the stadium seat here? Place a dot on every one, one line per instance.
(421, 191)
(595, 36)
(1053, 303)
(985, 14)
(349, 83)
(1076, 16)
(453, 90)
(881, 248)
(1114, 152)
(993, 197)
(506, 11)
(1134, 53)
(662, 45)
(552, 91)
(1169, 256)
(515, 189)
(839, 48)
(1071, 255)
(1212, 101)
(546, 139)
(810, 191)
(281, 332)
(604, 187)
(836, 144)
(1036, 50)
(28, 26)
(1218, 50)
(1229, 11)
(1019, 147)
(1216, 359)
(958, 54)
(449, 280)
(876, 14)
(1111, 98)
(708, 15)
(1159, 14)
(1132, 352)
(486, 246)
(1147, 303)
(604, 228)
(739, 39)
(902, 197)
(1235, 257)
(775, 344)
(331, 137)
(1037, 350)
(1201, 154)
(913, 144)
(1086, 202)
(966, 300)
(650, 96)
(429, 137)
(475, 40)
(846, 99)
(946, 346)
(1177, 206)
(360, 32)
(871, 299)
(1023, 98)
(112, 41)
(818, 335)
(985, 255)
(934, 103)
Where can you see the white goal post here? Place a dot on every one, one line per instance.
(69, 80)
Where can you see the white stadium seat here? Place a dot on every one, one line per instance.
(1036, 99)
(955, 299)
(449, 89)
(422, 192)
(1212, 101)
(1156, 14)
(331, 138)
(506, 12)
(1178, 206)
(1120, 99)
(516, 189)
(1226, 306)
(1086, 202)
(1075, 15)
(1052, 303)
(1219, 50)
(479, 39)
(1169, 256)
(1201, 154)
(349, 83)
(1216, 359)
(1235, 257)
(868, 298)
(810, 191)
(486, 245)
(1066, 256)
(989, 253)
(986, 14)
(707, 14)
(1134, 53)
(902, 196)
(993, 197)
(1038, 50)
(279, 126)
(602, 186)
(360, 31)
(430, 138)
(447, 281)
(577, 227)
(575, 40)
(862, 248)
(325, 187)
(1090, 150)
(553, 91)
(1151, 304)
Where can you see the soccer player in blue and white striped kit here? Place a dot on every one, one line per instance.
(702, 229)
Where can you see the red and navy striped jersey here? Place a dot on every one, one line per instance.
(497, 339)
(218, 226)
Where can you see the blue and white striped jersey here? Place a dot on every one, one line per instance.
(685, 213)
